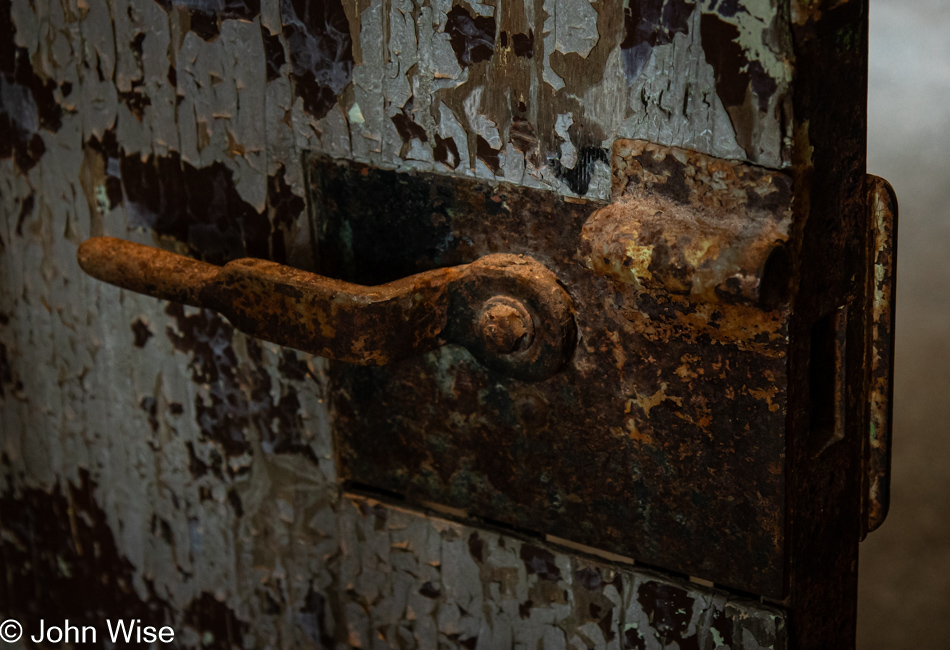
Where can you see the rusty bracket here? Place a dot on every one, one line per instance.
(653, 244)
(882, 203)
(508, 310)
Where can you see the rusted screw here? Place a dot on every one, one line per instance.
(506, 325)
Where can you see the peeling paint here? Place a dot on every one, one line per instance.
(318, 38)
(571, 54)
(649, 24)
(194, 465)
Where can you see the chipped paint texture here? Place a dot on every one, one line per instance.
(481, 589)
(512, 92)
(151, 443)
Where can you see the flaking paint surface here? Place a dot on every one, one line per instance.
(528, 91)
(194, 464)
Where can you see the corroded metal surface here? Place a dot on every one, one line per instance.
(831, 257)
(882, 205)
(687, 224)
(194, 465)
(364, 325)
(662, 439)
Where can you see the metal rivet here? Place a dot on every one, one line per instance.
(506, 325)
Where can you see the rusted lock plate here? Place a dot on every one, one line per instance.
(664, 437)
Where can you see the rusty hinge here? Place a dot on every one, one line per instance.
(882, 205)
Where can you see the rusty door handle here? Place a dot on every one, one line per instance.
(508, 310)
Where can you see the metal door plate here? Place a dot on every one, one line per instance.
(664, 437)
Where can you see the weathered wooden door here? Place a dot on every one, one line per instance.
(695, 467)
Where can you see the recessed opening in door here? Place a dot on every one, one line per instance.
(827, 380)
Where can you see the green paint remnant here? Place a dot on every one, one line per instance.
(633, 626)
(718, 641)
(102, 200)
(757, 23)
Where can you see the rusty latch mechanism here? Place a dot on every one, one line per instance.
(508, 310)
(691, 361)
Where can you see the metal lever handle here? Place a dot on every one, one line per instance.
(508, 310)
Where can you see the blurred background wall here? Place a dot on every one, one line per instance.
(905, 565)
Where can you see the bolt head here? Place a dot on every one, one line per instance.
(505, 325)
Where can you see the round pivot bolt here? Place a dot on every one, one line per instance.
(506, 325)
